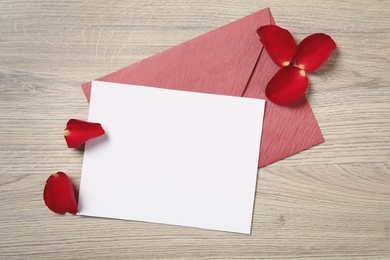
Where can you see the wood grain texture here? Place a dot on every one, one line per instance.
(329, 202)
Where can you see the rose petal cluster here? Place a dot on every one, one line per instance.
(58, 194)
(290, 82)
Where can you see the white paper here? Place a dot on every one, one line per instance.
(172, 157)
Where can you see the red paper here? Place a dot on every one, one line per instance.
(230, 61)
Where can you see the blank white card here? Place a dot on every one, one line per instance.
(173, 157)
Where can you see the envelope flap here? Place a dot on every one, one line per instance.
(219, 62)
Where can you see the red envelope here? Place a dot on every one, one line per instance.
(229, 60)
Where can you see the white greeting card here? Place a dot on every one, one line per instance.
(173, 157)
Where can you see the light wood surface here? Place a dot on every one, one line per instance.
(329, 202)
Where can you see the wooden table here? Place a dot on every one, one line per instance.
(329, 202)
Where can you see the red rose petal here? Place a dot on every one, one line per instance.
(59, 194)
(287, 85)
(78, 132)
(278, 42)
(313, 51)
